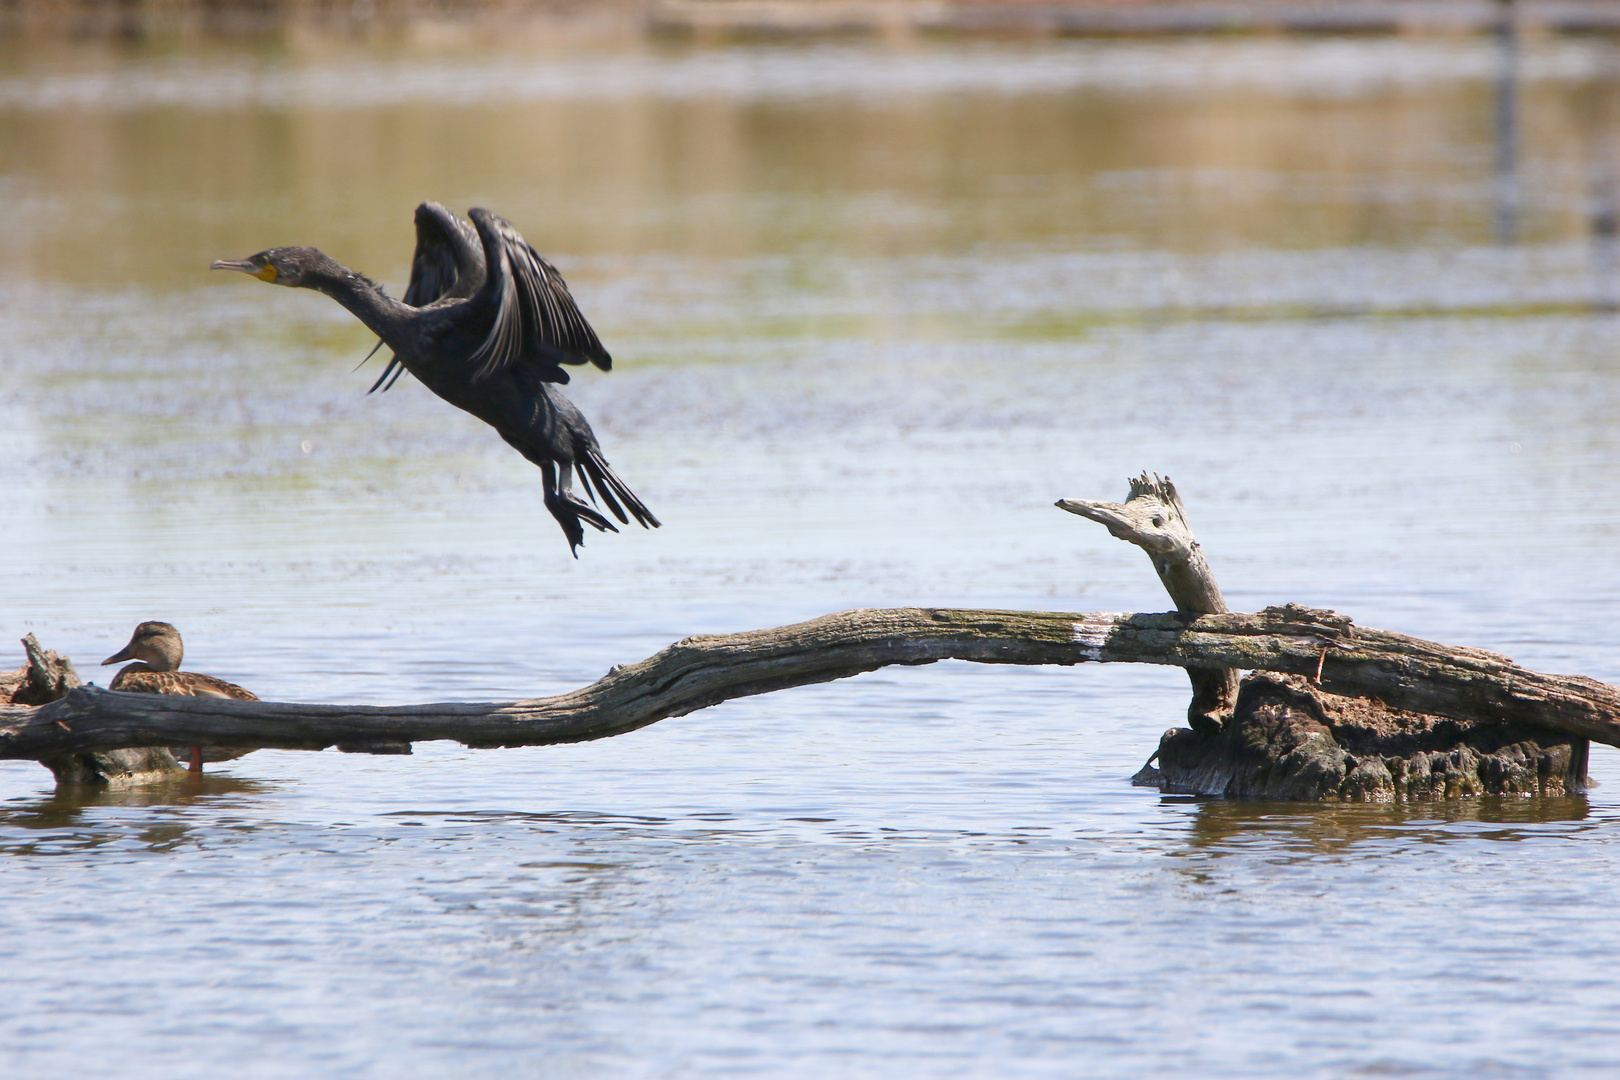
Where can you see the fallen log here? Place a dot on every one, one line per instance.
(1346, 713)
(1403, 672)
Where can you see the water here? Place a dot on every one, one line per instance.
(872, 311)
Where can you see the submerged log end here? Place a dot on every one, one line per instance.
(116, 770)
(1289, 740)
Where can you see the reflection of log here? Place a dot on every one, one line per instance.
(1408, 673)
(1153, 519)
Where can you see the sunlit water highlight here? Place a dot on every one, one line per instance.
(872, 313)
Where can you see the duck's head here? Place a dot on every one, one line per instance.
(157, 643)
(296, 267)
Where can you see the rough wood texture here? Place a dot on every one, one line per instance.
(48, 676)
(1408, 673)
(1154, 519)
(1289, 740)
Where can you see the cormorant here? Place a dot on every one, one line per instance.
(486, 324)
(157, 646)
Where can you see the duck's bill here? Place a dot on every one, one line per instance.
(244, 265)
(126, 653)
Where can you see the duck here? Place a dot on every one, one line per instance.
(157, 650)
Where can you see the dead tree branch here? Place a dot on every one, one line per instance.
(698, 672)
(1154, 519)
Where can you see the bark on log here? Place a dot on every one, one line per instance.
(1289, 740)
(48, 676)
(1405, 672)
(1153, 518)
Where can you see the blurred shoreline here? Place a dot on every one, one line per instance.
(720, 20)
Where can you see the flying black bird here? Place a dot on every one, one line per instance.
(486, 324)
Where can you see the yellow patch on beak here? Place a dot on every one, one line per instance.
(267, 274)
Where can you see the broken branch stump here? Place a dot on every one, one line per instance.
(1153, 518)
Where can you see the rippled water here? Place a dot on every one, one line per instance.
(872, 311)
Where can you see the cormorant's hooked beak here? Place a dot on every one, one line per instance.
(247, 266)
(126, 653)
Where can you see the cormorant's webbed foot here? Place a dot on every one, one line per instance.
(570, 512)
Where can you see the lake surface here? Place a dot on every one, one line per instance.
(873, 308)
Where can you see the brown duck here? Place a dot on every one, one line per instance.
(156, 645)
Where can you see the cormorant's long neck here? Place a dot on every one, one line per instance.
(382, 314)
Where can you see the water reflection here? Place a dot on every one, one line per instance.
(1507, 123)
(875, 310)
(1308, 829)
(168, 820)
(144, 169)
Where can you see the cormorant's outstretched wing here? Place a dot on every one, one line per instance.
(536, 319)
(449, 261)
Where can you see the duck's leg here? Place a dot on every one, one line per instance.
(196, 761)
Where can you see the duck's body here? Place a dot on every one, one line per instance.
(145, 679)
(157, 650)
(489, 331)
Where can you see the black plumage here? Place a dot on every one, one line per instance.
(487, 325)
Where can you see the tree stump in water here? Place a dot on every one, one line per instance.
(1283, 737)
(1290, 740)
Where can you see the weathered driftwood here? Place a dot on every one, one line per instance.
(1404, 672)
(47, 677)
(1289, 740)
(1289, 737)
(1154, 519)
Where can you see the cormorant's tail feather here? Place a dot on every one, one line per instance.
(603, 494)
(595, 471)
(369, 355)
(394, 368)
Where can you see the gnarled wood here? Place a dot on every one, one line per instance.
(48, 676)
(1154, 519)
(1288, 739)
(697, 672)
